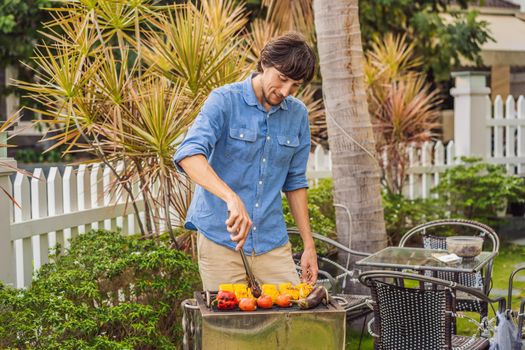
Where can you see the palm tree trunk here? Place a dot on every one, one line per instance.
(356, 172)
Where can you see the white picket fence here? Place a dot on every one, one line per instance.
(53, 210)
(504, 141)
(506, 134)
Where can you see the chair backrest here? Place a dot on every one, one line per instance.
(439, 242)
(511, 283)
(409, 318)
(521, 312)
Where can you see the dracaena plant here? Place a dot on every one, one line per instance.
(124, 80)
(203, 47)
(403, 106)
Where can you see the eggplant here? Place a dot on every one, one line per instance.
(316, 296)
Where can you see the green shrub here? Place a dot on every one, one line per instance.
(402, 214)
(108, 292)
(471, 190)
(52, 156)
(320, 210)
(477, 190)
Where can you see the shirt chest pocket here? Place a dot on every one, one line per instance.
(286, 147)
(241, 144)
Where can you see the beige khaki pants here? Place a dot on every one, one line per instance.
(218, 265)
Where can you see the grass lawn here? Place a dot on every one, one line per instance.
(509, 257)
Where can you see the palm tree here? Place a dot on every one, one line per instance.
(356, 171)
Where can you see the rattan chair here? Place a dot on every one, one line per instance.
(415, 318)
(480, 280)
(520, 315)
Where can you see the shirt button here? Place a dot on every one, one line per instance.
(241, 135)
(255, 228)
(288, 141)
(257, 205)
(267, 137)
(260, 182)
(264, 159)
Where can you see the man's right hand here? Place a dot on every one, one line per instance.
(238, 222)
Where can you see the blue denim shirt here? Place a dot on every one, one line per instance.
(257, 153)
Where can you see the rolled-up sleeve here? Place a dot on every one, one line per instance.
(205, 131)
(296, 177)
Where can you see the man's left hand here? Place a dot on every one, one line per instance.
(309, 266)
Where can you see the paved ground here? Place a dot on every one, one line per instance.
(503, 292)
(494, 292)
(520, 241)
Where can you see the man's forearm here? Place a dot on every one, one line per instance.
(298, 203)
(199, 170)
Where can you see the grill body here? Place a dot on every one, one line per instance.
(205, 328)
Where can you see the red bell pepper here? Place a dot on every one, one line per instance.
(226, 300)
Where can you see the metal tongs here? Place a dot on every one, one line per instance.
(250, 278)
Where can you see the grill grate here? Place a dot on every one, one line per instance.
(206, 298)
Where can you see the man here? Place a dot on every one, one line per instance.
(250, 141)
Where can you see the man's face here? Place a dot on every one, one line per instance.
(277, 86)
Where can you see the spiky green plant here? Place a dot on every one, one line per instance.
(185, 46)
(289, 15)
(403, 106)
(124, 80)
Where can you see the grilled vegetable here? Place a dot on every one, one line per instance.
(284, 300)
(225, 300)
(271, 290)
(247, 304)
(241, 291)
(293, 292)
(285, 286)
(318, 294)
(304, 289)
(226, 287)
(265, 302)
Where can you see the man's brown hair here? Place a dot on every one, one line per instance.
(290, 55)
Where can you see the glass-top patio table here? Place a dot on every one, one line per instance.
(421, 259)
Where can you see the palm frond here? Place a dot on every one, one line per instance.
(184, 49)
(225, 18)
(316, 115)
(290, 14)
(261, 32)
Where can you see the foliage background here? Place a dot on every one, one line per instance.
(108, 292)
(471, 190)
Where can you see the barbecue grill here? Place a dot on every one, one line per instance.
(207, 328)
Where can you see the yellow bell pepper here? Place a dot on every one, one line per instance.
(226, 287)
(271, 290)
(304, 289)
(240, 290)
(293, 292)
(284, 286)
